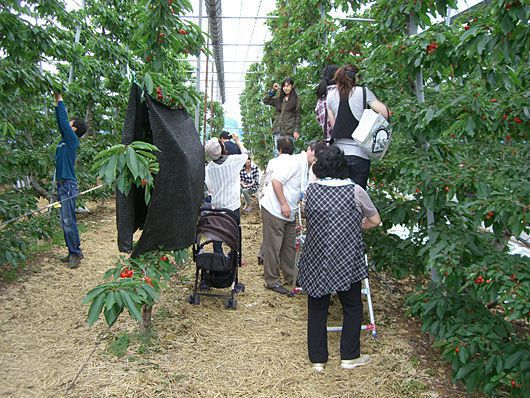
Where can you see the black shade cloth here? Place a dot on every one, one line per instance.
(170, 219)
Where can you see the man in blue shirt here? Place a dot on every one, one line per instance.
(67, 191)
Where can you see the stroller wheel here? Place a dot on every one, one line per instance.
(204, 286)
(231, 303)
(194, 299)
(239, 288)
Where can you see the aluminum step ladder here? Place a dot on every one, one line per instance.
(365, 291)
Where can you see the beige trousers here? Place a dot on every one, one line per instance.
(279, 249)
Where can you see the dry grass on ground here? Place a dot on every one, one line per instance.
(259, 350)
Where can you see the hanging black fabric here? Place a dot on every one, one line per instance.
(170, 219)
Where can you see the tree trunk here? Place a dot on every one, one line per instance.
(89, 118)
(145, 325)
(40, 190)
(34, 183)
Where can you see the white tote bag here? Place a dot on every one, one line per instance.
(373, 134)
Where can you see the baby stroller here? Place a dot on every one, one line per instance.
(216, 269)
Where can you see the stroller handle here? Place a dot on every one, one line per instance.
(209, 209)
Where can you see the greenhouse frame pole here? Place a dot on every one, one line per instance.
(76, 40)
(420, 96)
(198, 78)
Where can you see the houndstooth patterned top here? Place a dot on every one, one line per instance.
(333, 253)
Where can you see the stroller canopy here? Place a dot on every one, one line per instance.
(219, 226)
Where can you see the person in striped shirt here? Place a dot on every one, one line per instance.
(222, 178)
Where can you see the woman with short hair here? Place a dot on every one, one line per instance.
(332, 258)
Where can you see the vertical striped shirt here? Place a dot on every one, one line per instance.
(223, 183)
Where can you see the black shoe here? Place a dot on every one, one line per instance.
(75, 260)
(279, 289)
(65, 259)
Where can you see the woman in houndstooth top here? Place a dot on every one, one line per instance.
(332, 259)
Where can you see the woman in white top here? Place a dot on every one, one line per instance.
(345, 107)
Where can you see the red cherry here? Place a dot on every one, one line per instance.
(418, 190)
(505, 116)
(467, 27)
(129, 273)
(513, 383)
(143, 183)
(123, 274)
(148, 58)
(163, 258)
(517, 120)
(490, 213)
(446, 188)
(508, 137)
(488, 281)
(183, 31)
(508, 6)
(493, 100)
(457, 349)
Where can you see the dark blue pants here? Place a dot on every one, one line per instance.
(317, 319)
(67, 193)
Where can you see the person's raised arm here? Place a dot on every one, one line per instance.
(270, 97)
(239, 143)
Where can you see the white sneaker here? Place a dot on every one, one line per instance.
(353, 363)
(318, 367)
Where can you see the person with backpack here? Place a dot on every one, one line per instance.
(324, 87)
(345, 106)
(287, 106)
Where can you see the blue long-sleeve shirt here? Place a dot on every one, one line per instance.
(66, 152)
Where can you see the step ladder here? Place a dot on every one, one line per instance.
(300, 239)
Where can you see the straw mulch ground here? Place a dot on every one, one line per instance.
(259, 350)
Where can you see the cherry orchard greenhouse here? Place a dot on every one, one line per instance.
(107, 109)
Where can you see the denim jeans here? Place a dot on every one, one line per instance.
(67, 193)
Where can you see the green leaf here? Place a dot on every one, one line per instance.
(515, 358)
(131, 305)
(132, 162)
(111, 315)
(110, 299)
(149, 86)
(93, 293)
(466, 369)
(110, 170)
(95, 309)
(151, 292)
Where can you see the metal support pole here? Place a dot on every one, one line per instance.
(420, 96)
(211, 105)
(323, 17)
(76, 40)
(205, 92)
(198, 72)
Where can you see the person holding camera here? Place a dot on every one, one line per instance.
(287, 106)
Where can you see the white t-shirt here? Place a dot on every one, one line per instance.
(291, 171)
(223, 182)
(355, 100)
